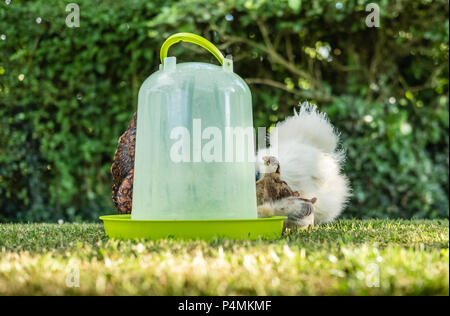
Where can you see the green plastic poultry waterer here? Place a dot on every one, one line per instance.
(194, 173)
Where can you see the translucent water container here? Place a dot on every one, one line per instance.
(194, 141)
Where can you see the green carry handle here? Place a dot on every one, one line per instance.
(190, 38)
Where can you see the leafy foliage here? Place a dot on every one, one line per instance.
(66, 94)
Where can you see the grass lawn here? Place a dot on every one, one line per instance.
(349, 257)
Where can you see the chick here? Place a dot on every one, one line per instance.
(275, 197)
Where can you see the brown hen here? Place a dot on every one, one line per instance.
(122, 169)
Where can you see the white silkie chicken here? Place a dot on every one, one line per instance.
(310, 163)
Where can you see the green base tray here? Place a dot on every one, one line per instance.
(123, 227)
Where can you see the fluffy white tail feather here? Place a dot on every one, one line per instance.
(308, 126)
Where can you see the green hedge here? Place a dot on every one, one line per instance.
(66, 94)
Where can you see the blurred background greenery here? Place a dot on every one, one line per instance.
(67, 94)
